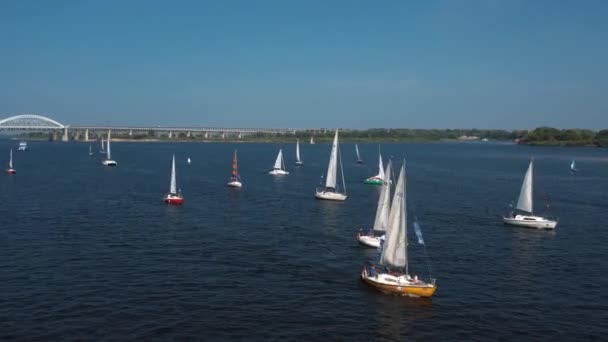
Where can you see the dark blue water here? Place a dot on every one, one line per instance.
(88, 252)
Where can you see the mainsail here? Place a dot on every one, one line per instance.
(10, 161)
(234, 167)
(298, 151)
(278, 164)
(394, 249)
(524, 203)
(332, 168)
(102, 145)
(173, 189)
(381, 221)
(108, 148)
(380, 167)
(357, 150)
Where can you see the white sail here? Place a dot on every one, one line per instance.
(108, 148)
(357, 150)
(524, 202)
(572, 166)
(173, 189)
(102, 145)
(380, 167)
(381, 221)
(298, 151)
(332, 168)
(312, 140)
(394, 250)
(10, 161)
(278, 164)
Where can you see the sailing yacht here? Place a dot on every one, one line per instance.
(379, 178)
(90, 150)
(359, 160)
(279, 166)
(312, 140)
(188, 161)
(573, 167)
(102, 150)
(108, 161)
(330, 191)
(524, 205)
(173, 197)
(394, 253)
(22, 146)
(10, 169)
(298, 160)
(235, 179)
(381, 220)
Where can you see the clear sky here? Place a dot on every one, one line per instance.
(315, 63)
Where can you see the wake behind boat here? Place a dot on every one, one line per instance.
(524, 216)
(174, 196)
(279, 166)
(330, 190)
(235, 179)
(394, 278)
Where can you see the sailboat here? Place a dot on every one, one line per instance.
(10, 169)
(235, 179)
(359, 160)
(102, 150)
(279, 166)
(381, 221)
(90, 150)
(394, 253)
(379, 178)
(174, 196)
(524, 205)
(312, 140)
(330, 191)
(573, 167)
(298, 160)
(189, 161)
(108, 161)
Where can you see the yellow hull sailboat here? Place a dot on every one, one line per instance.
(394, 253)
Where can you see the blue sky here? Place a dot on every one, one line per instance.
(357, 64)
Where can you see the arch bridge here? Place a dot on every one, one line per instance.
(30, 122)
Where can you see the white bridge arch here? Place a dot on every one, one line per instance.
(29, 122)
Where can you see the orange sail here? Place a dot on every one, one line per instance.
(234, 166)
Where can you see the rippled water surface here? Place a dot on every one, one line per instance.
(88, 252)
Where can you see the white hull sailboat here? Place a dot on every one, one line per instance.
(174, 196)
(235, 179)
(381, 220)
(298, 160)
(11, 170)
(109, 161)
(330, 190)
(525, 205)
(279, 166)
(397, 280)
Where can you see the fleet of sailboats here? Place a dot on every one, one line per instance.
(279, 166)
(108, 161)
(394, 278)
(11, 170)
(235, 179)
(523, 215)
(298, 160)
(174, 196)
(331, 191)
(379, 178)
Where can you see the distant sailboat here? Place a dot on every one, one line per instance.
(382, 211)
(279, 166)
(174, 196)
(108, 161)
(298, 160)
(573, 167)
(359, 161)
(312, 140)
(330, 190)
(394, 254)
(189, 161)
(379, 178)
(90, 150)
(102, 150)
(235, 179)
(525, 205)
(10, 169)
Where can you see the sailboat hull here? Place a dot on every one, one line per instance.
(299, 163)
(278, 172)
(235, 184)
(11, 171)
(330, 195)
(174, 200)
(109, 162)
(530, 222)
(401, 285)
(374, 181)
